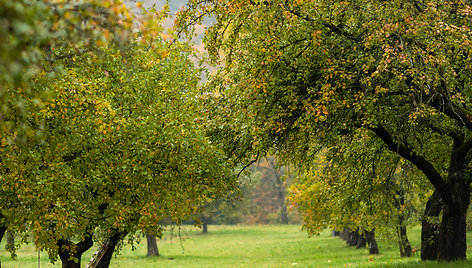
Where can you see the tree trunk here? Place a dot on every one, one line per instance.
(345, 234)
(430, 228)
(399, 201)
(403, 242)
(373, 247)
(152, 249)
(454, 191)
(350, 236)
(361, 242)
(71, 253)
(3, 229)
(353, 238)
(10, 246)
(283, 214)
(205, 227)
(452, 231)
(102, 257)
(280, 192)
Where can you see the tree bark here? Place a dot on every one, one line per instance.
(103, 256)
(373, 247)
(353, 238)
(152, 249)
(403, 242)
(454, 191)
(430, 229)
(350, 236)
(399, 201)
(452, 231)
(71, 253)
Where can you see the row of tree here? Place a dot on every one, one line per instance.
(381, 89)
(106, 131)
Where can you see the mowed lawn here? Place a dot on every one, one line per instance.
(248, 246)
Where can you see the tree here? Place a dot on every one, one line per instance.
(32, 31)
(119, 145)
(33, 34)
(299, 74)
(280, 189)
(358, 187)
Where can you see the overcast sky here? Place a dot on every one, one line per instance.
(174, 6)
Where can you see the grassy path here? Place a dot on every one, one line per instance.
(249, 246)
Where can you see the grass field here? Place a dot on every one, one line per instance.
(248, 246)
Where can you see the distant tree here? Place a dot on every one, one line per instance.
(281, 190)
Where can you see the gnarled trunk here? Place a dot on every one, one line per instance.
(452, 231)
(430, 228)
(71, 253)
(102, 257)
(361, 241)
(353, 238)
(454, 191)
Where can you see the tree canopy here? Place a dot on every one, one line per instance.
(113, 139)
(297, 75)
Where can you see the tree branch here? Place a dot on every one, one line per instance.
(419, 161)
(441, 102)
(248, 164)
(334, 28)
(455, 135)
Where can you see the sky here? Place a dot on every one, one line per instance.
(174, 6)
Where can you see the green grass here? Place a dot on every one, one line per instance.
(249, 246)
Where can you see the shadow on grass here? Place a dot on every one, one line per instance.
(405, 263)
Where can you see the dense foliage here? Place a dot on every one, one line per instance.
(298, 75)
(104, 137)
